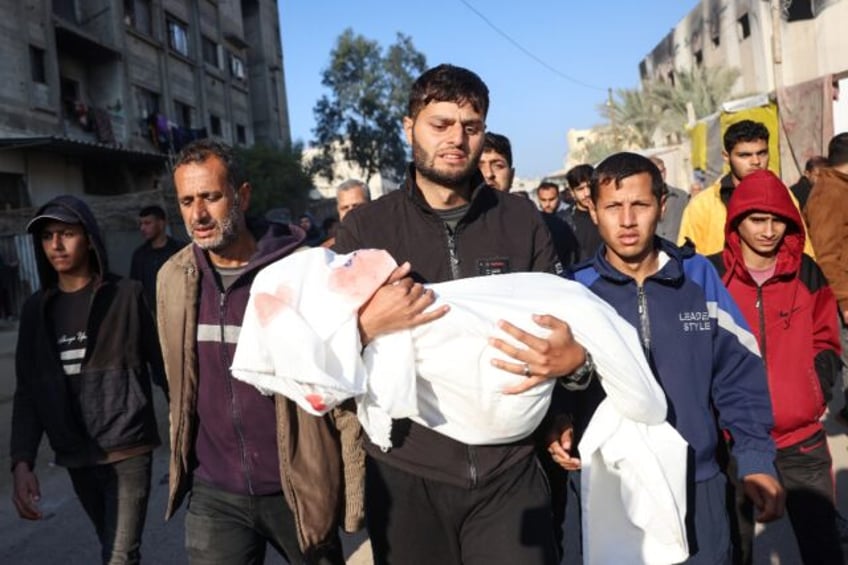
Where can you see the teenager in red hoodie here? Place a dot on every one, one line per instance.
(785, 298)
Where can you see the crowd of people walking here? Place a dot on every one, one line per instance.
(733, 302)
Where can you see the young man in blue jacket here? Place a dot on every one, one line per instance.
(697, 343)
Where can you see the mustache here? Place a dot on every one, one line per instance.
(203, 223)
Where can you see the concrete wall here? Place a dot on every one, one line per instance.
(49, 175)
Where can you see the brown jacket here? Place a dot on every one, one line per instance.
(321, 459)
(827, 216)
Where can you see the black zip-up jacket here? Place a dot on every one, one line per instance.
(108, 407)
(500, 233)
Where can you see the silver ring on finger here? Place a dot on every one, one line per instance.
(526, 369)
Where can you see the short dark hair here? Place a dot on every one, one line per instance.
(837, 150)
(578, 175)
(200, 150)
(499, 144)
(815, 162)
(619, 166)
(744, 131)
(547, 185)
(155, 210)
(447, 83)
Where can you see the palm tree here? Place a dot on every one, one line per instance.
(704, 88)
(633, 117)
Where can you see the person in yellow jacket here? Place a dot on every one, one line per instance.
(745, 150)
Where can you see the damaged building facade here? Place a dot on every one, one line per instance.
(792, 57)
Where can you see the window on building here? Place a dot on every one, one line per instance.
(146, 102)
(699, 57)
(210, 52)
(178, 36)
(744, 26)
(241, 134)
(184, 114)
(670, 78)
(138, 15)
(37, 66)
(215, 124)
(69, 94)
(236, 66)
(13, 191)
(66, 9)
(799, 10)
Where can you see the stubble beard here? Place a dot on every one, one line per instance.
(228, 231)
(453, 180)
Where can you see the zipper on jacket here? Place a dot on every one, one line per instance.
(472, 465)
(453, 256)
(233, 406)
(644, 322)
(761, 314)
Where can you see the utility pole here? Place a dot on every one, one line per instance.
(777, 43)
(612, 118)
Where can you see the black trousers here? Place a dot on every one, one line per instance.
(114, 496)
(805, 470)
(222, 528)
(413, 520)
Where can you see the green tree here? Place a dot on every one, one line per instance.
(362, 114)
(277, 178)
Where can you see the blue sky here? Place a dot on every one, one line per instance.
(598, 43)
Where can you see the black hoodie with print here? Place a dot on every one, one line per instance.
(107, 409)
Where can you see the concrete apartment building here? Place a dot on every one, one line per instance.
(98, 94)
(793, 52)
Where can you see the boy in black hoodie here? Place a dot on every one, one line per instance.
(84, 344)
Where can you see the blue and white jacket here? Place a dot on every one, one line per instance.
(702, 353)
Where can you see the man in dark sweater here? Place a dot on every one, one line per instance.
(147, 259)
(581, 222)
(432, 499)
(157, 248)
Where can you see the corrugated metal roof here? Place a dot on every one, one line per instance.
(79, 147)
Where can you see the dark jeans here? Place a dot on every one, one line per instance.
(805, 470)
(115, 498)
(413, 520)
(222, 528)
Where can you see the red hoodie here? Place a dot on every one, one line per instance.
(793, 314)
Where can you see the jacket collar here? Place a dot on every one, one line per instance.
(483, 196)
(670, 273)
(273, 241)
